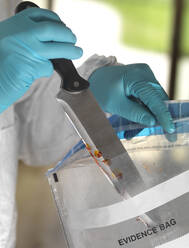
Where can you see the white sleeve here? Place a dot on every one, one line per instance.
(44, 132)
(94, 62)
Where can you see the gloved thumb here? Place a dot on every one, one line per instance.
(133, 111)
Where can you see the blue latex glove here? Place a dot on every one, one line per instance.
(27, 41)
(132, 92)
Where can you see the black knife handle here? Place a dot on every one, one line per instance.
(71, 80)
(25, 5)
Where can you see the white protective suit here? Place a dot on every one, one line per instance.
(34, 130)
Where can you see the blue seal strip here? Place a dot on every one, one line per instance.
(126, 129)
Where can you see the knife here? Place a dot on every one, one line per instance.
(95, 130)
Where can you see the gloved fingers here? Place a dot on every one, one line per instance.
(163, 116)
(153, 96)
(36, 68)
(43, 68)
(3, 107)
(53, 31)
(160, 90)
(38, 14)
(52, 50)
(134, 111)
(39, 68)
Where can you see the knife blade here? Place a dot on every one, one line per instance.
(95, 130)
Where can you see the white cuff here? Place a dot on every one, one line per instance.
(93, 63)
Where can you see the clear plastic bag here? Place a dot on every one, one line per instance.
(94, 215)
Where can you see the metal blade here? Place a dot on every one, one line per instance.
(102, 143)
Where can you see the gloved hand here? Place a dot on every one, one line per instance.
(132, 92)
(27, 41)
